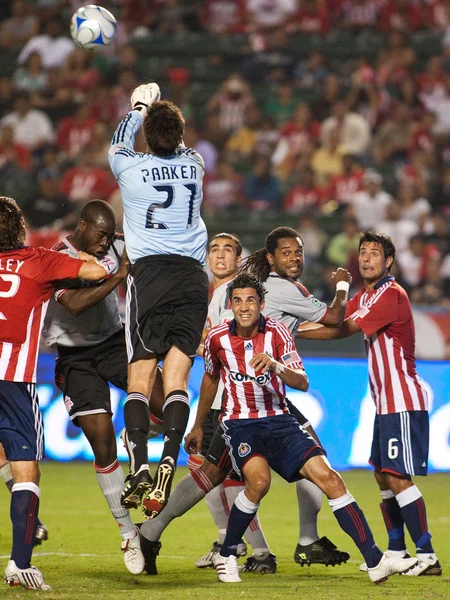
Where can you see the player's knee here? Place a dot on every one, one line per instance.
(333, 484)
(214, 474)
(104, 454)
(194, 462)
(259, 486)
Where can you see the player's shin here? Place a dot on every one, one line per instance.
(393, 520)
(24, 511)
(309, 498)
(352, 520)
(136, 417)
(241, 515)
(413, 511)
(111, 480)
(175, 419)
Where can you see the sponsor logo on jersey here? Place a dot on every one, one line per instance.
(316, 302)
(248, 346)
(243, 377)
(244, 449)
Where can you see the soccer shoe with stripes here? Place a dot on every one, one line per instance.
(136, 487)
(41, 535)
(210, 558)
(228, 570)
(321, 552)
(266, 564)
(391, 554)
(132, 554)
(389, 565)
(426, 567)
(150, 550)
(158, 496)
(31, 578)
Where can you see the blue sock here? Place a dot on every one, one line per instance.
(24, 511)
(241, 515)
(352, 520)
(393, 520)
(414, 514)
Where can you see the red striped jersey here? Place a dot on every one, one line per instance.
(249, 394)
(27, 277)
(385, 317)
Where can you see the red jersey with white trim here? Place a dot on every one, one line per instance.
(384, 315)
(249, 394)
(27, 277)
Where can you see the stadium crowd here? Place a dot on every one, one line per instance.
(330, 114)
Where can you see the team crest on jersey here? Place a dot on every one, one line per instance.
(244, 449)
(68, 403)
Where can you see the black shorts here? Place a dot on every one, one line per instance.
(167, 305)
(209, 427)
(217, 451)
(82, 374)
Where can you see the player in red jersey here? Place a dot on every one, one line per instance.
(27, 282)
(256, 357)
(382, 311)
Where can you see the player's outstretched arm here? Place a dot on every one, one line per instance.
(316, 331)
(92, 271)
(336, 311)
(208, 391)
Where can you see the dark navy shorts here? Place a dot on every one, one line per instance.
(400, 443)
(280, 440)
(21, 428)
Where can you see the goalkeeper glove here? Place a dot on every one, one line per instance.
(144, 96)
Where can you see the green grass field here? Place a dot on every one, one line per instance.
(82, 558)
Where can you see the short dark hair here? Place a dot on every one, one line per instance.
(379, 238)
(95, 209)
(227, 236)
(12, 225)
(245, 280)
(163, 128)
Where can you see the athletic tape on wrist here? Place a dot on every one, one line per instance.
(342, 285)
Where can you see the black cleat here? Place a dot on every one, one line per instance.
(150, 550)
(41, 535)
(264, 565)
(158, 496)
(322, 552)
(136, 487)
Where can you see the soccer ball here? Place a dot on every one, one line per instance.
(93, 26)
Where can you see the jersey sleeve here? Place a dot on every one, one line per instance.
(286, 350)
(298, 302)
(182, 151)
(379, 314)
(211, 358)
(352, 305)
(57, 266)
(121, 153)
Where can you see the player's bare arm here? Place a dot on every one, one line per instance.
(336, 311)
(208, 391)
(78, 301)
(295, 378)
(316, 331)
(92, 271)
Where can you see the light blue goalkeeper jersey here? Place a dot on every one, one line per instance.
(161, 196)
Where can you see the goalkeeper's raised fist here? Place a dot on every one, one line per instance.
(144, 96)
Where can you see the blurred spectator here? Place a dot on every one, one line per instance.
(32, 127)
(312, 71)
(344, 246)
(50, 164)
(79, 74)
(86, 181)
(407, 93)
(328, 160)
(344, 186)
(281, 105)
(49, 208)
(7, 95)
(360, 15)
(172, 16)
(412, 207)
(206, 149)
(313, 236)
(395, 58)
(313, 17)
(422, 137)
(441, 198)
(125, 58)
(267, 137)
(267, 14)
(19, 28)
(326, 289)
(401, 14)
(433, 76)
(275, 63)
(396, 227)
(438, 102)
(223, 189)
(100, 144)
(241, 145)
(431, 288)
(213, 132)
(305, 195)
(437, 230)
(179, 89)
(262, 188)
(369, 205)
(52, 46)
(438, 14)
(331, 92)
(220, 17)
(121, 93)
(11, 151)
(31, 77)
(391, 140)
(410, 260)
(230, 102)
(353, 129)
(76, 132)
(416, 172)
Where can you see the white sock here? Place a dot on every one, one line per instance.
(112, 481)
(253, 534)
(309, 504)
(217, 503)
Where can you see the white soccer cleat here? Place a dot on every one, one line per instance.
(31, 578)
(390, 566)
(228, 569)
(391, 554)
(426, 567)
(211, 558)
(132, 554)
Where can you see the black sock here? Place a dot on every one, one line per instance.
(24, 511)
(137, 422)
(175, 418)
